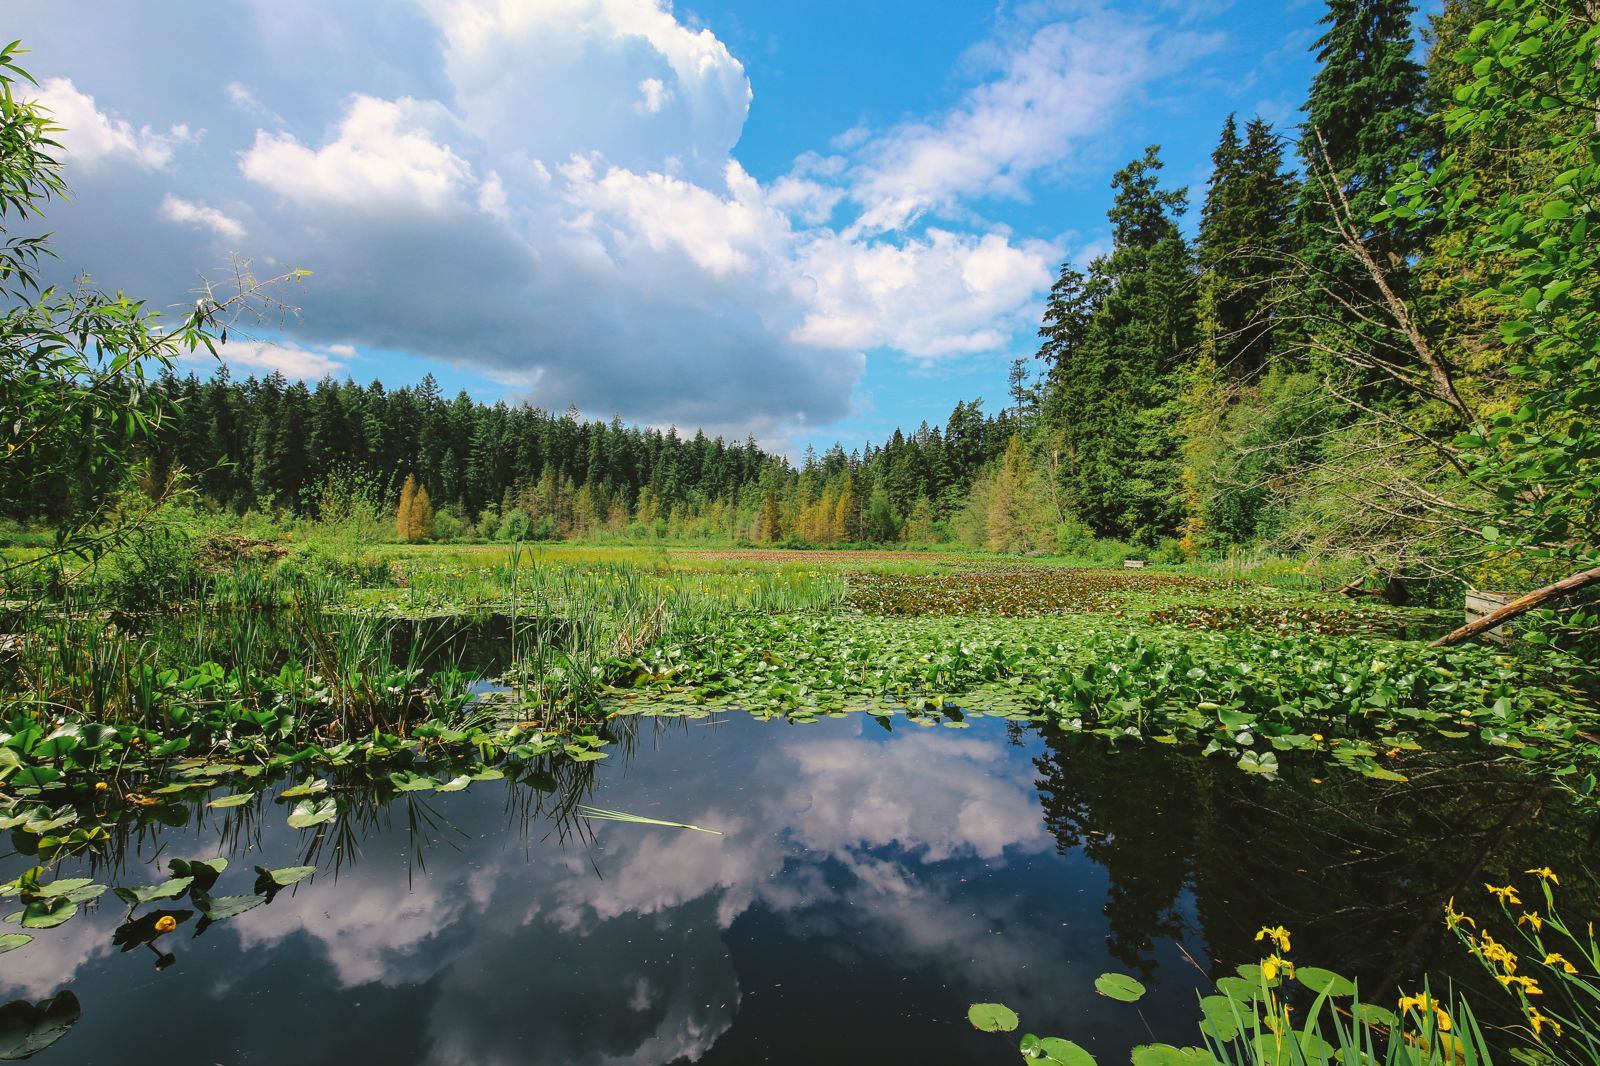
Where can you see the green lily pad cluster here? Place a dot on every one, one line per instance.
(47, 904)
(1358, 703)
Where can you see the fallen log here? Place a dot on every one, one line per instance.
(1537, 598)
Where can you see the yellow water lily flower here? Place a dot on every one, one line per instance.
(1277, 934)
(166, 923)
(1544, 873)
(1507, 893)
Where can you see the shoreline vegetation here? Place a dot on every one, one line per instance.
(1364, 386)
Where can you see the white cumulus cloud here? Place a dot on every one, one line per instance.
(187, 213)
(93, 137)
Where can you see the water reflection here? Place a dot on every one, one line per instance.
(867, 887)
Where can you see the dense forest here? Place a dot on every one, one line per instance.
(1330, 363)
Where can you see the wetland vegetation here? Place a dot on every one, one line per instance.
(1137, 712)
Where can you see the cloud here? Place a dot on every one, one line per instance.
(93, 138)
(1062, 82)
(183, 212)
(547, 192)
(291, 360)
(385, 157)
(942, 295)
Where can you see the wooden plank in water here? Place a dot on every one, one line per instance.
(1480, 603)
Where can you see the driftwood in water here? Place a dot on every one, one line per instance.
(1537, 598)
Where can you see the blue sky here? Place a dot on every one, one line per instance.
(809, 222)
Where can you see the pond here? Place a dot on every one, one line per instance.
(868, 884)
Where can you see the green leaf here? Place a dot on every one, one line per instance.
(992, 1017)
(204, 872)
(281, 878)
(1054, 1051)
(1167, 1055)
(44, 913)
(1119, 987)
(12, 941)
(1320, 980)
(238, 799)
(169, 889)
(307, 814)
(216, 908)
(27, 1029)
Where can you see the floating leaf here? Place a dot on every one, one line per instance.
(1054, 1051)
(306, 813)
(269, 880)
(12, 941)
(992, 1017)
(204, 872)
(169, 889)
(1119, 986)
(238, 799)
(1320, 980)
(1167, 1055)
(44, 913)
(27, 1028)
(216, 908)
(311, 786)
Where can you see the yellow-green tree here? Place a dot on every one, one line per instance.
(413, 519)
(402, 514)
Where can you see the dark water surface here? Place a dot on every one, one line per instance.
(867, 887)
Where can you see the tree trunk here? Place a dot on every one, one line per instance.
(1537, 598)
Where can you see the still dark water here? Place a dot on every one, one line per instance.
(867, 887)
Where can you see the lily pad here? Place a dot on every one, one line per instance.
(271, 880)
(1119, 986)
(216, 908)
(992, 1017)
(1320, 980)
(1054, 1051)
(169, 889)
(1167, 1055)
(306, 813)
(204, 871)
(238, 799)
(44, 913)
(12, 941)
(28, 1028)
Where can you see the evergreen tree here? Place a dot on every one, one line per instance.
(1125, 476)
(1243, 243)
(1365, 111)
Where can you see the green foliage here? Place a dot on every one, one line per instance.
(78, 368)
(1252, 1022)
(1532, 72)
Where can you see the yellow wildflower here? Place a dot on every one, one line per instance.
(100, 786)
(1318, 737)
(1507, 893)
(1453, 917)
(1272, 966)
(166, 923)
(1533, 919)
(1556, 959)
(1544, 873)
(1539, 1021)
(1277, 934)
(1422, 1003)
(1529, 986)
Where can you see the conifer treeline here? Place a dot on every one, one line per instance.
(518, 471)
